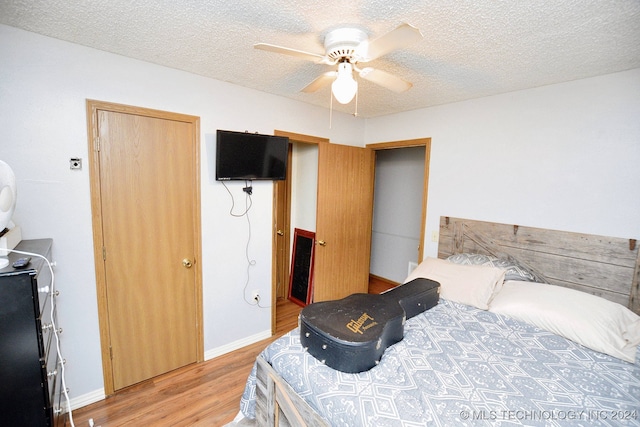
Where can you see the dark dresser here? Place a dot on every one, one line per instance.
(30, 391)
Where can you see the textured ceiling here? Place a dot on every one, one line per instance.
(470, 49)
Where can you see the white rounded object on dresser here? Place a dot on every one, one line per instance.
(8, 196)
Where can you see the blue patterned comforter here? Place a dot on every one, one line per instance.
(458, 365)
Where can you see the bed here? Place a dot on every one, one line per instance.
(546, 336)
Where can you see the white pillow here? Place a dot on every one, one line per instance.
(467, 284)
(586, 319)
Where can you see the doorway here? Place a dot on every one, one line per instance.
(292, 206)
(145, 199)
(397, 212)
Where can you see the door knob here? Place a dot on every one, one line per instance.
(186, 263)
(280, 233)
(322, 243)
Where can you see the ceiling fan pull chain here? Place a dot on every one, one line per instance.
(355, 114)
(330, 108)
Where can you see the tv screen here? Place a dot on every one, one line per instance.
(250, 156)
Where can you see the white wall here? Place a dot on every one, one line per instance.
(563, 156)
(44, 84)
(397, 211)
(304, 185)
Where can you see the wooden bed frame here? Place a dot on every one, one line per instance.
(605, 266)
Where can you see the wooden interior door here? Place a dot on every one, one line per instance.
(343, 223)
(146, 197)
(281, 231)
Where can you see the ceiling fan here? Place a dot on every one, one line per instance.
(347, 47)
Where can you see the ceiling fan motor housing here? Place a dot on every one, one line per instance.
(341, 43)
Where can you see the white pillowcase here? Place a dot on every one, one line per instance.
(467, 284)
(586, 319)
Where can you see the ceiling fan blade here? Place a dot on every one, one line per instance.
(322, 80)
(402, 36)
(292, 52)
(385, 79)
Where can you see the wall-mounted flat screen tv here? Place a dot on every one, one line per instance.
(250, 156)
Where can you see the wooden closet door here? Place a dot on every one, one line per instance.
(149, 226)
(343, 223)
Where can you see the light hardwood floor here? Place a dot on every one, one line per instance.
(201, 394)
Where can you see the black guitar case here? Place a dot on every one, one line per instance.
(351, 334)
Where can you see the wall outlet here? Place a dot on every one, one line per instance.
(255, 295)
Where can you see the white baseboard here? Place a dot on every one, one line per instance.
(227, 348)
(86, 399)
(98, 395)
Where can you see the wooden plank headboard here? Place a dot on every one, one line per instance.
(605, 266)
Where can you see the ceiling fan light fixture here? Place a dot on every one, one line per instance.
(344, 87)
